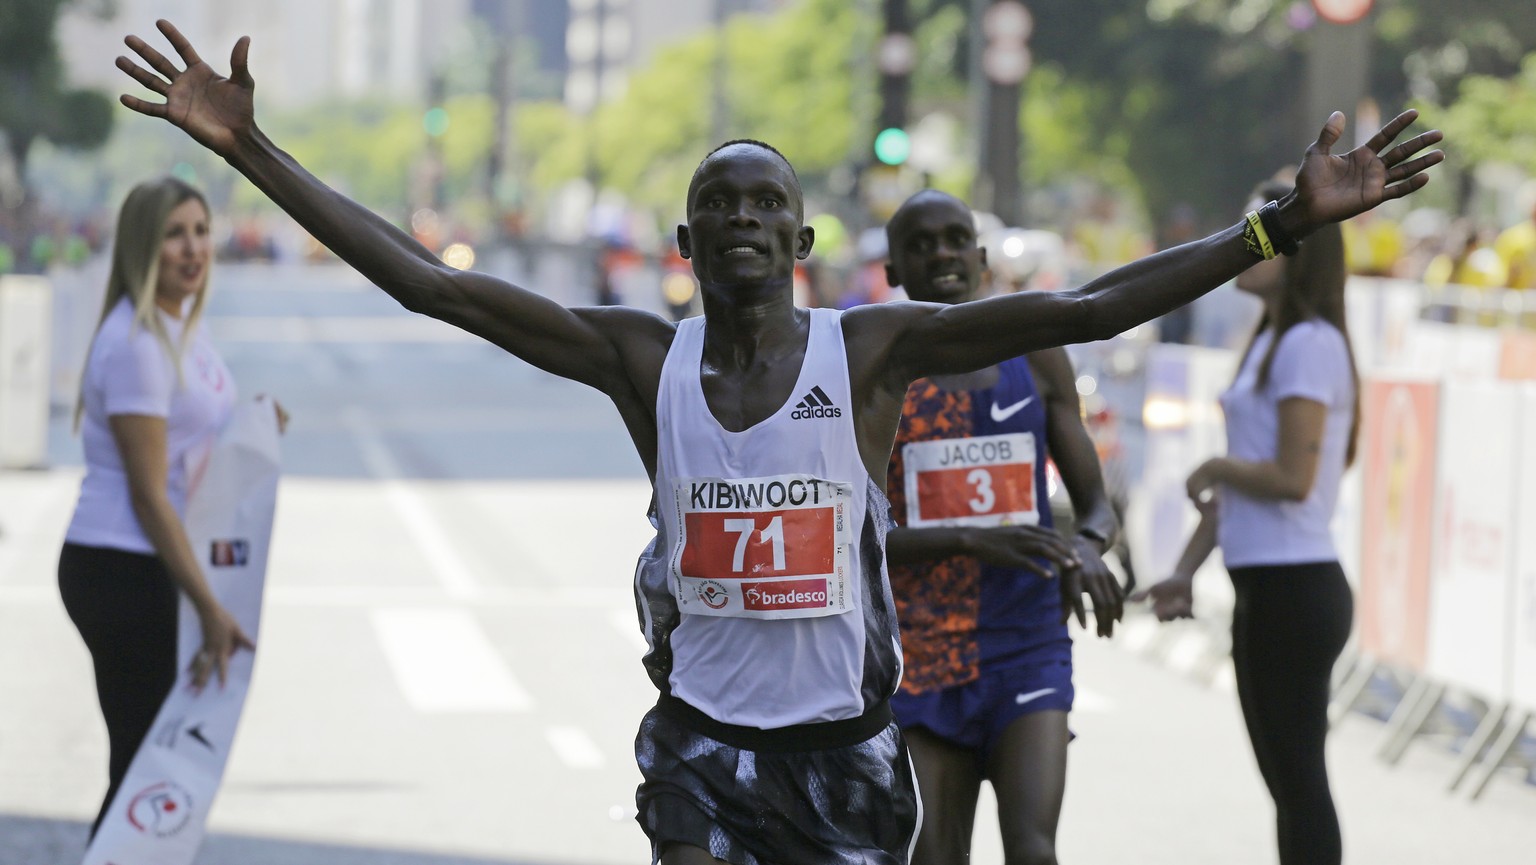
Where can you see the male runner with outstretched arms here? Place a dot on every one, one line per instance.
(763, 426)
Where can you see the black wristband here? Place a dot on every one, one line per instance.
(1279, 238)
(1094, 534)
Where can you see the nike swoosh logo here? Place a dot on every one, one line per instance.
(1000, 414)
(1032, 695)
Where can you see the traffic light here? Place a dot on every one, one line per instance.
(893, 145)
(435, 121)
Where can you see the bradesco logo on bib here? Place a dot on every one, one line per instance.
(763, 548)
(981, 481)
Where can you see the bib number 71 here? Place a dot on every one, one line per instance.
(743, 528)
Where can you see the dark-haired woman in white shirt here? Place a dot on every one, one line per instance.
(1292, 417)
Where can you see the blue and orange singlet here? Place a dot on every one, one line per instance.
(971, 457)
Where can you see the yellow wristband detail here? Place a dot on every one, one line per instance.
(1257, 238)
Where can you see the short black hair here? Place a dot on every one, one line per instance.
(693, 184)
(922, 196)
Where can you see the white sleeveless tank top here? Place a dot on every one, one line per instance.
(764, 596)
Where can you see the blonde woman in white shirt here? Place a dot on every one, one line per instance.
(153, 389)
(1292, 416)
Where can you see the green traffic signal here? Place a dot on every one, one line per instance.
(435, 121)
(893, 146)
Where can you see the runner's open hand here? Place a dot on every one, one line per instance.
(1023, 547)
(216, 111)
(1333, 188)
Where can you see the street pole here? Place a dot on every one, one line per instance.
(719, 107)
(1005, 61)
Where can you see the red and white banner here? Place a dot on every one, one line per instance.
(1398, 477)
(160, 812)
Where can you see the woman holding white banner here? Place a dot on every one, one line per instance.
(154, 390)
(1292, 417)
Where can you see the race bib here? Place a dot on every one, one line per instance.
(981, 481)
(774, 547)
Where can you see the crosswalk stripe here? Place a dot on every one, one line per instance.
(425, 529)
(444, 663)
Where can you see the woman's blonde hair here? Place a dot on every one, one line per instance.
(136, 265)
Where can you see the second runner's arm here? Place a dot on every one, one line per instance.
(1077, 460)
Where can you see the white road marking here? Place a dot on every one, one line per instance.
(620, 604)
(333, 328)
(443, 662)
(446, 563)
(575, 748)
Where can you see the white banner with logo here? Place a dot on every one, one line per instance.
(160, 812)
(1475, 498)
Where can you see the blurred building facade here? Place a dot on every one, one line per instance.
(306, 51)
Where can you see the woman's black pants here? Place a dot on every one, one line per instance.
(1289, 625)
(124, 605)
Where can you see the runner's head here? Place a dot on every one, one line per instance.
(745, 215)
(933, 249)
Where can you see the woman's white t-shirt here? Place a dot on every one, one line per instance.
(129, 371)
(1311, 363)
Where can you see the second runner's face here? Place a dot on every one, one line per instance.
(744, 221)
(934, 255)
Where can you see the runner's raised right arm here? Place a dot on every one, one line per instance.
(218, 113)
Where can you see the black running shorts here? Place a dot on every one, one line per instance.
(768, 803)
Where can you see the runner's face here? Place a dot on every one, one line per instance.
(934, 255)
(185, 249)
(744, 221)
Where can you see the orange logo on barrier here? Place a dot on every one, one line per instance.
(1398, 485)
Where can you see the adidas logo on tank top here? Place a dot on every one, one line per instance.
(815, 404)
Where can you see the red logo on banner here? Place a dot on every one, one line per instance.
(976, 491)
(161, 809)
(785, 595)
(726, 545)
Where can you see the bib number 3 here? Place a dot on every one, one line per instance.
(978, 481)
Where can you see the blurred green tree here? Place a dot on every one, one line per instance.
(35, 101)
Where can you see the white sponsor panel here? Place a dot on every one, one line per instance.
(774, 547)
(1523, 660)
(1452, 351)
(25, 365)
(1470, 586)
(160, 812)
